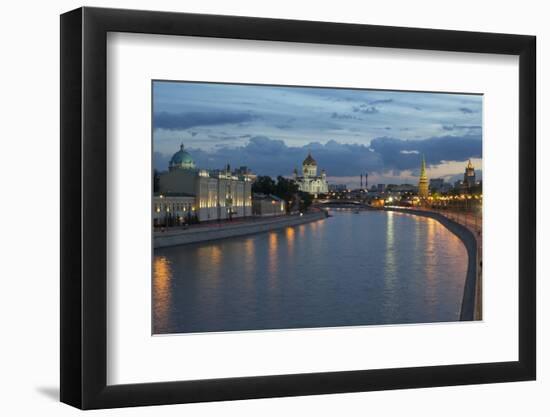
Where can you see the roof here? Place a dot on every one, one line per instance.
(182, 157)
(309, 160)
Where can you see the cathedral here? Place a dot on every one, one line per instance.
(310, 182)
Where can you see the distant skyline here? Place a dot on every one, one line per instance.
(349, 132)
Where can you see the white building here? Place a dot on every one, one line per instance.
(173, 209)
(218, 194)
(310, 182)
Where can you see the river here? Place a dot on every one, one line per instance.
(365, 268)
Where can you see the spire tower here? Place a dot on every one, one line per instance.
(423, 181)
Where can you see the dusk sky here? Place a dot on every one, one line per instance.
(349, 132)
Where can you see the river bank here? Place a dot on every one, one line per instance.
(227, 230)
(470, 305)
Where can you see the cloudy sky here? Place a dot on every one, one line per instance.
(270, 129)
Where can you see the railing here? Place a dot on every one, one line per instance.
(471, 218)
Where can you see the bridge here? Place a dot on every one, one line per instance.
(342, 203)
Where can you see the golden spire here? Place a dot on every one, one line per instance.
(423, 168)
(423, 181)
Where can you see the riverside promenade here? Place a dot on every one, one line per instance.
(223, 230)
(473, 222)
(468, 230)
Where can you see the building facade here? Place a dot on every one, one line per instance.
(218, 194)
(469, 175)
(310, 182)
(173, 210)
(337, 188)
(469, 181)
(268, 205)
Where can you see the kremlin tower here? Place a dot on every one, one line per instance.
(423, 181)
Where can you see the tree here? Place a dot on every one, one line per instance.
(285, 188)
(305, 201)
(264, 185)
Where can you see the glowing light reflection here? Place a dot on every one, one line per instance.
(162, 277)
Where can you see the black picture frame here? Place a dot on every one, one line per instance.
(84, 207)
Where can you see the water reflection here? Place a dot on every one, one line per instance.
(430, 262)
(210, 263)
(162, 276)
(249, 260)
(273, 254)
(290, 235)
(350, 269)
(390, 250)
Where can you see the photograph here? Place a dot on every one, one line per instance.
(294, 207)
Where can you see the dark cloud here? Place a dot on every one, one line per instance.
(160, 161)
(180, 121)
(344, 116)
(460, 127)
(267, 156)
(219, 138)
(365, 109)
(227, 137)
(466, 110)
(436, 150)
(287, 124)
(385, 101)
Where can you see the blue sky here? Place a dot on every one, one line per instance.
(349, 132)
